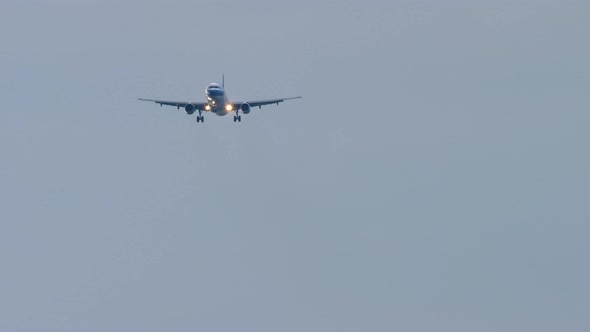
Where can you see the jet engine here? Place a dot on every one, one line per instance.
(245, 108)
(189, 109)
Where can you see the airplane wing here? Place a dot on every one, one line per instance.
(178, 104)
(259, 103)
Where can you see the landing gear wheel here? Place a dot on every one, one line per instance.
(200, 118)
(239, 118)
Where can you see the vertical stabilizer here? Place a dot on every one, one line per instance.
(223, 81)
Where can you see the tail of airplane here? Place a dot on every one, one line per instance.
(223, 81)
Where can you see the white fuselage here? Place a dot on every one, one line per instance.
(217, 100)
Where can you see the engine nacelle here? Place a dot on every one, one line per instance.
(245, 108)
(189, 109)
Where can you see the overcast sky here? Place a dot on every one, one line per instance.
(434, 177)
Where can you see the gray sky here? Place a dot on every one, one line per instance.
(433, 178)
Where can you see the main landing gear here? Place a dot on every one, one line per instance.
(237, 117)
(200, 118)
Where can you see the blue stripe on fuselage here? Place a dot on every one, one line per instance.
(215, 93)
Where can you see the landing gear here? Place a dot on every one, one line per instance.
(237, 117)
(200, 118)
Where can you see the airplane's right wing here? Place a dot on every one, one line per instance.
(198, 106)
(259, 103)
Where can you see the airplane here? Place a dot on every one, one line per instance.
(218, 103)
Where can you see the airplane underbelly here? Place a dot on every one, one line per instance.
(217, 101)
(220, 106)
(221, 112)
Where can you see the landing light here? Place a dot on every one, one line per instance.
(229, 107)
(207, 108)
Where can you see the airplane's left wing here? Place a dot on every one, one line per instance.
(259, 103)
(198, 106)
